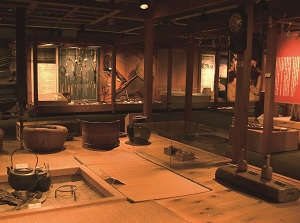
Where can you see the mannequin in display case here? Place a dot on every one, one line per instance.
(255, 81)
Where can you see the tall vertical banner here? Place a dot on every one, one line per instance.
(287, 85)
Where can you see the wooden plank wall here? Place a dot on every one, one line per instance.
(178, 71)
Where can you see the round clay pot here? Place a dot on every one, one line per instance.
(138, 134)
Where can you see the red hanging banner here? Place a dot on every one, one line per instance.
(287, 84)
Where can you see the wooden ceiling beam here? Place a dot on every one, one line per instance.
(131, 11)
(162, 32)
(173, 7)
(68, 14)
(111, 14)
(66, 3)
(209, 26)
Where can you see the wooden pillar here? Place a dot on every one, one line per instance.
(269, 88)
(21, 66)
(241, 109)
(199, 72)
(189, 79)
(169, 78)
(35, 77)
(148, 68)
(217, 74)
(113, 78)
(99, 74)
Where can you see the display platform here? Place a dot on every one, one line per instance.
(54, 99)
(180, 97)
(281, 140)
(177, 149)
(285, 122)
(273, 190)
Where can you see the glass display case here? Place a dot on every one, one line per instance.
(84, 74)
(71, 73)
(71, 70)
(78, 73)
(178, 144)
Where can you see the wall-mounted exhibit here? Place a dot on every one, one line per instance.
(287, 88)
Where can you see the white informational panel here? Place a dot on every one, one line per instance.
(47, 78)
(207, 72)
(47, 72)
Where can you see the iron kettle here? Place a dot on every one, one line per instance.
(44, 180)
(23, 178)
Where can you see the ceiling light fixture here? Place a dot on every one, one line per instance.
(144, 4)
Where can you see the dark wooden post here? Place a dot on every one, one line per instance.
(113, 78)
(21, 66)
(269, 88)
(99, 73)
(148, 68)
(35, 77)
(199, 72)
(241, 109)
(189, 79)
(217, 74)
(169, 78)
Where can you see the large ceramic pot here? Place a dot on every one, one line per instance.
(138, 134)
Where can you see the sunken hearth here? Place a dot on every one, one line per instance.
(70, 187)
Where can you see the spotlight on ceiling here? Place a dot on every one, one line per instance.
(144, 4)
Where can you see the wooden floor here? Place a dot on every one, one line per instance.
(217, 203)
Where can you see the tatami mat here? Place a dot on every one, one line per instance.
(120, 212)
(142, 179)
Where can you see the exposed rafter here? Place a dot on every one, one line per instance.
(172, 18)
